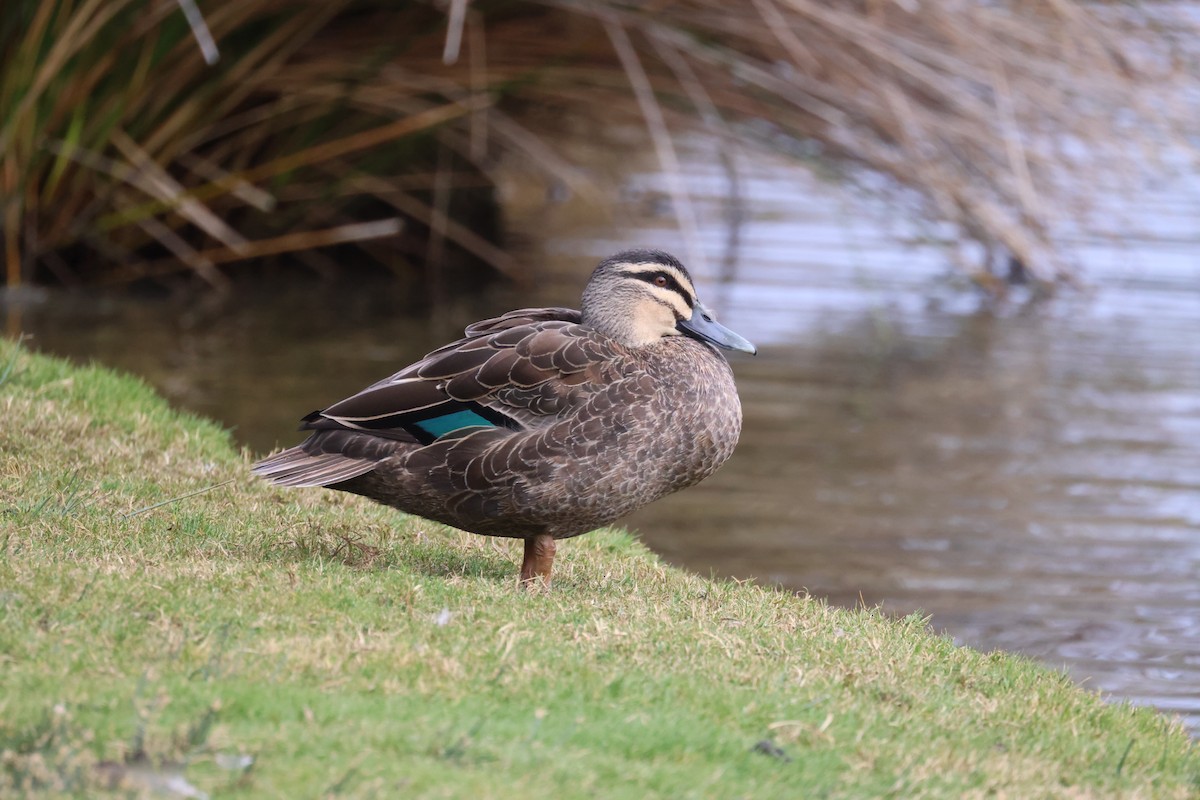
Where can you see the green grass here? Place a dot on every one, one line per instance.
(353, 652)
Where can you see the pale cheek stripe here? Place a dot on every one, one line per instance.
(673, 301)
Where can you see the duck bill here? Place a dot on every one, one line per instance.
(702, 326)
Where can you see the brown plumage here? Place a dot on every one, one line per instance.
(543, 423)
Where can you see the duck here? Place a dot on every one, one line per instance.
(543, 423)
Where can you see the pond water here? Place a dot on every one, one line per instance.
(1027, 473)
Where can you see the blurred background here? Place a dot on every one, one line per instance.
(964, 236)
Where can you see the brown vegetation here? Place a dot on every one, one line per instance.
(124, 155)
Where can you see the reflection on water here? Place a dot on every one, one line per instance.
(1029, 475)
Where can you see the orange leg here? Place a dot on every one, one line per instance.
(538, 561)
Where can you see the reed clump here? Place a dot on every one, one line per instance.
(125, 154)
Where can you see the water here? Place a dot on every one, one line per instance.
(1027, 473)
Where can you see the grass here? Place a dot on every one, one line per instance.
(256, 642)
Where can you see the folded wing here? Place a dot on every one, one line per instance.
(519, 371)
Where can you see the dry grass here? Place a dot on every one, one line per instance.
(124, 154)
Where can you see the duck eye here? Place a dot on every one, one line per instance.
(660, 281)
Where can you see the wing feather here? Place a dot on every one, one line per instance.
(522, 317)
(522, 370)
(382, 403)
(295, 467)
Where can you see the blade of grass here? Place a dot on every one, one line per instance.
(9, 365)
(140, 511)
(656, 123)
(204, 39)
(302, 240)
(167, 189)
(313, 155)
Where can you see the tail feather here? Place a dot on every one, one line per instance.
(295, 467)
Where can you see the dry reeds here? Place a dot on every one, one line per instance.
(1006, 117)
(123, 154)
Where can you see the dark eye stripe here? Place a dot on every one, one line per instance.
(649, 275)
(667, 306)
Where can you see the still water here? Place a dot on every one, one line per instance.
(1027, 473)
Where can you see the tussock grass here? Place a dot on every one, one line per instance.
(125, 155)
(252, 641)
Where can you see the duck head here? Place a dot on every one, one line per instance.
(640, 296)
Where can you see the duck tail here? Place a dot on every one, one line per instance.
(296, 467)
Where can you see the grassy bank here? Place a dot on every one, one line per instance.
(250, 641)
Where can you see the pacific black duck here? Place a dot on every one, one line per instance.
(543, 423)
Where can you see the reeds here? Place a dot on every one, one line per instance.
(124, 155)
(1008, 118)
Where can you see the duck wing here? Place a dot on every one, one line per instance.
(519, 371)
(511, 372)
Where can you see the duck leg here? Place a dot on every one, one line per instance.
(538, 561)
